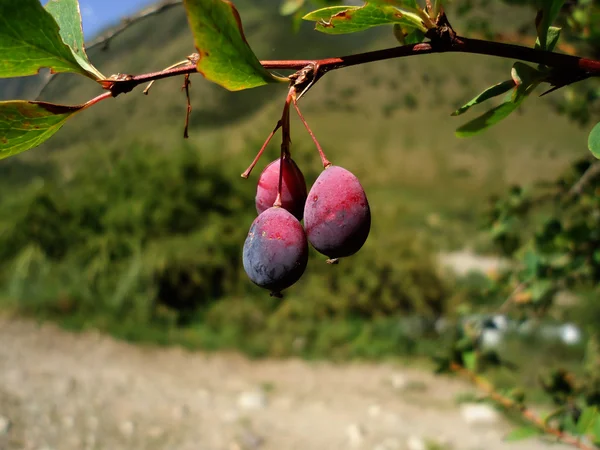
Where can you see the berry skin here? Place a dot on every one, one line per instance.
(276, 250)
(293, 188)
(337, 216)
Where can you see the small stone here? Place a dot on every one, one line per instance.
(250, 441)
(252, 400)
(155, 432)
(230, 416)
(388, 444)
(283, 402)
(355, 435)
(5, 425)
(179, 412)
(68, 422)
(374, 411)
(479, 414)
(127, 428)
(415, 443)
(92, 422)
(398, 381)
(203, 396)
(392, 419)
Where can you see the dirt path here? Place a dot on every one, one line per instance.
(62, 391)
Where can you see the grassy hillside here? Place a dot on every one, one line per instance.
(388, 121)
(117, 216)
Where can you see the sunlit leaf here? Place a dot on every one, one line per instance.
(521, 433)
(225, 56)
(30, 39)
(351, 19)
(24, 125)
(407, 36)
(486, 120)
(492, 91)
(594, 141)
(399, 3)
(546, 16)
(68, 17)
(289, 7)
(551, 39)
(526, 79)
(470, 360)
(587, 419)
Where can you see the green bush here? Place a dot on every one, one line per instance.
(147, 243)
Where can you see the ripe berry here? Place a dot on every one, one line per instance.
(293, 188)
(337, 216)
(276, 250)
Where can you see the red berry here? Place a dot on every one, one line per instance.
(276, 250)
(293, 188)
(337, 216)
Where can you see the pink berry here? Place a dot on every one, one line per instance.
(293, 189)
(337, 216)
(276, 250)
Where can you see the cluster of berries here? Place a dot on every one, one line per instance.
(336, 214)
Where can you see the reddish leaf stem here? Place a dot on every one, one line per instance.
(286, 140)
(324, 160)
(97, 99)
(246, 173)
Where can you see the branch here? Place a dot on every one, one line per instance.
(569, 69)
(104, 39)
(591, 172)
(525, 412)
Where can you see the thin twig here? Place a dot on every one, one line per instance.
(525, 412)
(105, 38)
(504, 307)
(591, 172)
(186, 87)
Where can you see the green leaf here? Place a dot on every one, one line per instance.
(569, 424)
(521, 433)
(470, 360)
(351, 19)
(596, 430)
(289, 7)
(225, 56)
(594, 141)
(486, 120)
(399, 3)
(30, 40)
(527, 79)
(492, 91)
(68, 17)
(24, 125)
(587, 419)
(545, 17)
(541, 289)
(406, 36)
(551, 39)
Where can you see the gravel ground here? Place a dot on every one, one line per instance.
(63, 391)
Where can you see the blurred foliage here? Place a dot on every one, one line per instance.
(552, 232)
(147, 243)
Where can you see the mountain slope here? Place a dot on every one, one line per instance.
(387, 121)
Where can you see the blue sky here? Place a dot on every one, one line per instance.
(98, 14)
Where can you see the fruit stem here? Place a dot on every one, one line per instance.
(246, 173)
(324, 160)
(286, 140)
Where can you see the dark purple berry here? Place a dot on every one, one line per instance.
(293, 188)
(337, 216)
(276, 250)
